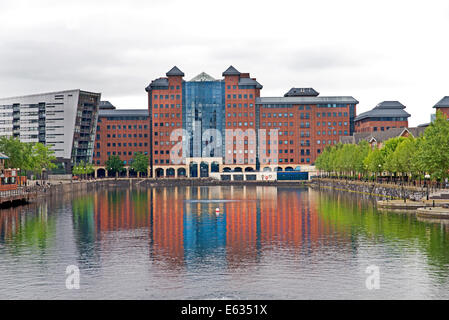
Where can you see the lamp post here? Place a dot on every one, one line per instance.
(403, 192)
(43, 175)
(380, 168)
(427, 177)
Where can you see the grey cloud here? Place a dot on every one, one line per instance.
(118, 47)
(322, 58)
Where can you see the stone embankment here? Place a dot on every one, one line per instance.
(394, 197)
(62, 187)
(382, 190)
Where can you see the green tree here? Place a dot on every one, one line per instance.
(19, 153)
(387, 151)
(324, 161)
(374, 162)
(89, 168)
(361, 152)
(434, 148)
(114, 164)
(83, 169)
(140, 163)
(347, 159)
(417, 160)
(41, 158)
(402, 160)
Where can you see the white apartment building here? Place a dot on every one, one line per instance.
(65, 120)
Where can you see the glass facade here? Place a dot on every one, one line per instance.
(203, 108)
(85, 128)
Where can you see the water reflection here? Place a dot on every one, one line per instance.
(399, 230)
(183, 227)
(265, 242)
(31, 230)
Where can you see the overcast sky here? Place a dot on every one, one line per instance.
(371, 50)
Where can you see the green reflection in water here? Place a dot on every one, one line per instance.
(402, 231)
(83, 216)
(106, 211)
(32, 230)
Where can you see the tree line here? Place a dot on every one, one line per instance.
(35, 157)
(114, 165)
(139, 164)
(401, 158)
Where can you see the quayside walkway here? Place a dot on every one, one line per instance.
(12, 194)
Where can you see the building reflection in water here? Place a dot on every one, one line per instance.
(30, 227)
(180, 228)
(183, 227)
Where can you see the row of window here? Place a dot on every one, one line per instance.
(284, 160)
(166, 106)
(162, 143)
(156, 161)
(332, 132)
(172, 96)
(135, 135)
(307, 125)
(280, 151)
(240, 105)
(324, 142)
(303, 142)
(245, 96)
(383, 128)
(119, 127)
(140, 144)
(167, 115)
(345, 123)
(284, 105)
(167, 124)
(240, 114)
(124, 162)
(275, 115)
(162, 133)
(130, 153)
(240, 124)
(163, 151)
(241, 151)
(331, 114)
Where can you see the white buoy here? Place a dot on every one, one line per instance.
(217, 211)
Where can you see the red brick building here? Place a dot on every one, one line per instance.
(121, 132)
(386, 115)
(304, 123)
(165, 107)
(241, 92)
(443, 106)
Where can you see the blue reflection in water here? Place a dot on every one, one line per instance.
(204, 233)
